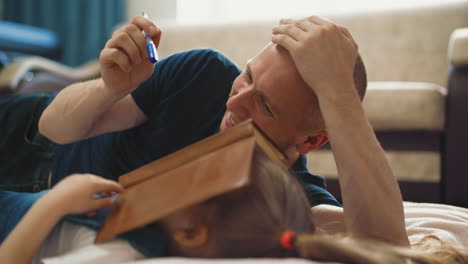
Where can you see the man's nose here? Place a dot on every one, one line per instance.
(240, 102)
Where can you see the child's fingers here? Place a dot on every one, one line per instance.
(91, 213)
(107, 186)
(102, 203)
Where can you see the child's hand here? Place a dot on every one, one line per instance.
(74, 194)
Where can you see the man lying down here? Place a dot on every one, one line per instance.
(302, 90)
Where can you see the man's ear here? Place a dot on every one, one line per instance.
(191, 237)
(312, 142)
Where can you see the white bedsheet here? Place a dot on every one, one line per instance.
(227, 261)
(449, 223)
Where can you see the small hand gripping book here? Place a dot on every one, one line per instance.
(203, 170)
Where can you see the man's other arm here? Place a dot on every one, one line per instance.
(325, 54)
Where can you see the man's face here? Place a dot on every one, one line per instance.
(271, 92)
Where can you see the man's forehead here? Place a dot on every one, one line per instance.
(275, 73)
(273, 58)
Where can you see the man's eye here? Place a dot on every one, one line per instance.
(247, 77)
(267, 108)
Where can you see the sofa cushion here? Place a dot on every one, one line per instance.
(394, 106)
(414, 166)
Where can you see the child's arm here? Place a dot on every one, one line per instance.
(72, 195)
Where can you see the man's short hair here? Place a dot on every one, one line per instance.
(360, 77)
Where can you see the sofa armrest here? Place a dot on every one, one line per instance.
(12, 75)
(458, 47)
(455, 156)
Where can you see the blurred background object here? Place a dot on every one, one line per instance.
(82, 27)
(48, 44)
(235, 11)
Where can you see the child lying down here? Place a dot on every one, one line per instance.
(270, 217)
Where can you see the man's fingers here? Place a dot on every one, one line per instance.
(149, 27)
(285, 41)
(138, 38)
(319, 20)
(286, 21)
(110, 56)
(156, 36)
(125, 43)
(345, 31)
(347, 35)
(310, 24)
(303, 24)
(314, 19)
(290, 30)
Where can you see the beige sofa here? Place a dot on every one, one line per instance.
(409, 55)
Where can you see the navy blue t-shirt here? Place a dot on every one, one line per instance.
(184, 100)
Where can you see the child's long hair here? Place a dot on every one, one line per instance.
(249, 222)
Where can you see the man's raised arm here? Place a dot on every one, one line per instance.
(87, 109)
(325, 54)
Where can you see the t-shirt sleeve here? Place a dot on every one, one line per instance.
(184, 100)
(314, 186)
(196, 75)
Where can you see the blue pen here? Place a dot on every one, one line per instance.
(150, 48)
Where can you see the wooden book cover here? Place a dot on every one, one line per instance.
(194, 174)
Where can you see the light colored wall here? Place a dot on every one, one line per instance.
(397, 45)
(160, 11)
